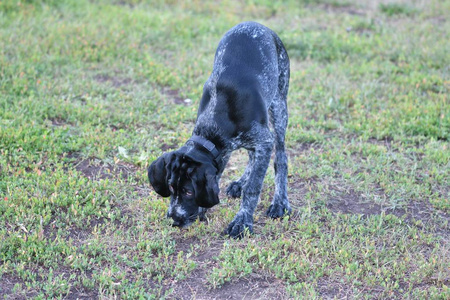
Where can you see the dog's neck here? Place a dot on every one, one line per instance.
(206, 146)
(216, 153)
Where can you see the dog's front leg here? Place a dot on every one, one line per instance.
(251, 191)
(234, 190)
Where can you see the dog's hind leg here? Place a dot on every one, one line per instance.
(279, 117)
(280, 203)
(234, 190)
(252, 189)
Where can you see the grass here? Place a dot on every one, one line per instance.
(92, 91)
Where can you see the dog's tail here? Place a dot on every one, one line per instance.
(283, 67)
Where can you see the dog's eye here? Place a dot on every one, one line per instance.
(188, 193)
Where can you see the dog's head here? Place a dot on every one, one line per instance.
(190, 179)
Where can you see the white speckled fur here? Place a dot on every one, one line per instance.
(244, 105)
(180, 211)
(259, 141)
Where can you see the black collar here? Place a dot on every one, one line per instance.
(208, 145)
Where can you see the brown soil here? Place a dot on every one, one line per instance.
(116, 81)
(7, 288)
(95, 169)
(174, 95)
(250, 287)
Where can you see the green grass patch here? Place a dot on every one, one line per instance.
(91, 92)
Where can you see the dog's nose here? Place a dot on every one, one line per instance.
(171, 213)
(176, 223)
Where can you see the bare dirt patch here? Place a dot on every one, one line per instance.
(302, 147)
(351, 202)
(206, 254)
(421, 213)
(122, 82)
(58, 122)
(81, 294)
(76, 292)
(437, 20)
(331, 289)
(166, 147)
(96, 169)
(196, 285)
(343, 9)
(114, 80)
(386, 142)
(78, 235)
(344, 200)
(7, 284)
(174, 95)
(250, 287)
(253, 286)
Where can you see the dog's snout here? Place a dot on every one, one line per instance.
(172, 214)
(181, 217)
(177, 215)
(177, 220)
(177, 223)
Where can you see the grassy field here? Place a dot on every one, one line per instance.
(91, 92)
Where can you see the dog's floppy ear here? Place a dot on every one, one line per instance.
(206, 187)
(158, 174)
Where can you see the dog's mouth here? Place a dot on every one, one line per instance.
(183, 223)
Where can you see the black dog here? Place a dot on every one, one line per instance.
(245, 94)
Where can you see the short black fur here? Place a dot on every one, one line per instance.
(243, 106)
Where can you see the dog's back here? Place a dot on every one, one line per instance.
(251, 70)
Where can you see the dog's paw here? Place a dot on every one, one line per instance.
(234, 190)
(277, 210)
(240, 226)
